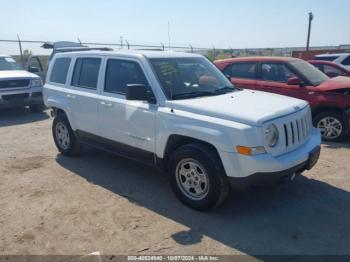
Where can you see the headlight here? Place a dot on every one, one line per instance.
(271, 135)
(36, 82)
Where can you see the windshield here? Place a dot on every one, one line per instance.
(8, 63)
(311, 73)
(326, 58)
(183, 78)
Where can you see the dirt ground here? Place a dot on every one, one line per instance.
(51, 204)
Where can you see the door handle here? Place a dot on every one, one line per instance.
(106, 104)
(70, 96)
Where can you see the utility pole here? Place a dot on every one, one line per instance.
(311, 17)
(121, 42)
(20, 50)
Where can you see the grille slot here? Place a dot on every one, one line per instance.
(16, 83)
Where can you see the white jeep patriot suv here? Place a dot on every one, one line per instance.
(18, 87)
(179, 112)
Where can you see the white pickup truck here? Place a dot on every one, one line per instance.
(18, 87)
(177, 111)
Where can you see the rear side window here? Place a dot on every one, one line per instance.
(120, 73)
(86, 72)
(60, 70)
(241, 70)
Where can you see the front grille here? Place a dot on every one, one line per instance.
(296, 131)
(17, 83)
(15, 96)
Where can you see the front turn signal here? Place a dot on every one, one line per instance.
(248, 151)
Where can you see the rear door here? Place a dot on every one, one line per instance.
(84, 95)
(242, 74)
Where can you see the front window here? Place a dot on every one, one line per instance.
(276, 72)
(309, 72)
(183, 78)
(8, 63)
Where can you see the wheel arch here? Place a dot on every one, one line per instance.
(322, 108)
(175, 141)
(62, 111)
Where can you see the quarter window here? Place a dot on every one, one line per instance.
(120, 73)
(60, 70)
(86, 72)
(276, 72)
(241, 70)
(346, 61)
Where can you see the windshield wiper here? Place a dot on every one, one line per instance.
(225, 89)
(192, 94)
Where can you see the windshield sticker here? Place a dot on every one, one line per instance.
(10, 59)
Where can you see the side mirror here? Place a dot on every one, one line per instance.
(294, 81)
(33, 69)
(139, 92)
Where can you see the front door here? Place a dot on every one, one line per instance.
(129, 123)
(273, 77)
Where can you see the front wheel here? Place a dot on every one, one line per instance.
(332, 126)
(197, 176)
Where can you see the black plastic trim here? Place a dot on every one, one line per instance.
(117, 148)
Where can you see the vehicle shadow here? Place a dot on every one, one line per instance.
(305, 217)
(336, 145)
(17, 116)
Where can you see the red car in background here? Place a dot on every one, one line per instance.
(331, 69)
(329, 98)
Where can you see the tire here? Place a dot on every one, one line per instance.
(38, 108)
(332, 126)
(64, 137)
(199, 164)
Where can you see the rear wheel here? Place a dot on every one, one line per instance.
(197, 176)
(331, 124)
(64, 137)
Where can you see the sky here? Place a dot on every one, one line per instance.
(200, 23)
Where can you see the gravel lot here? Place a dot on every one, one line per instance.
(50, 204)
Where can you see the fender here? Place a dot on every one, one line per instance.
(205, 130)
(57, 102)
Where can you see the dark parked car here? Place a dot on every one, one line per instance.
(329, 98)
(331, 69)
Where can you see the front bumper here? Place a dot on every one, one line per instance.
(20, 99)
(241, 166)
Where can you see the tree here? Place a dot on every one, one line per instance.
(26, 54)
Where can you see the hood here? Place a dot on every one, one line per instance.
(246, 106)
(340, 82)
(13, 74)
